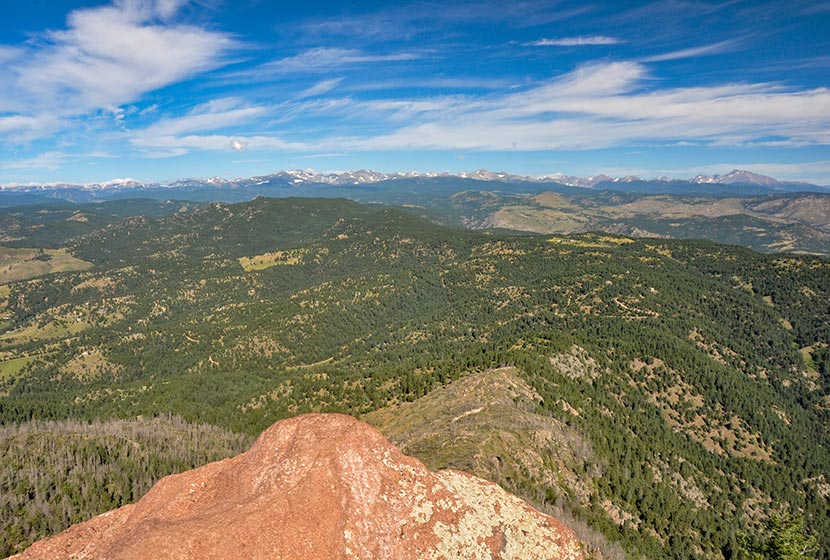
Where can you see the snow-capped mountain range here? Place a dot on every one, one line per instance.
(363, 177)
(736, 176)
(345, 183)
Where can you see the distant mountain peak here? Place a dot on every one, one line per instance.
(737, 176)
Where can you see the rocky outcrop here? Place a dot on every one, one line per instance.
(317, 486)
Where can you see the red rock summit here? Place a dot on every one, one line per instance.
(319, 486)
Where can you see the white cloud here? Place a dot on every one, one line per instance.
(320, 88)
(595, 106)
(317, 60)
(16, 123)
(604, 105)
(406, 20)
(7, 53)
(175, 136)
(143, 10)
(167, 8)
(109, 56)
(104, 58)
(576, 41)
(703, 50)
(22, 128)
(408, 110)
(213, 115)
(46, 160)
(589, 81)
(465, 83)
(170, 146)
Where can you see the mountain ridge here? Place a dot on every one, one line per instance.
(367, 177)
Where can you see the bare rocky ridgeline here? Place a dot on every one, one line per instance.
(318, 486)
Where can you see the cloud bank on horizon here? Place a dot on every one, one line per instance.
(173, 88)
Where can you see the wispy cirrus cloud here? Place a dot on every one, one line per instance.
(693, 52)
(320, 88)
(603, 105)
(175, 136)
(316, 61)
(175, 146)
(45, 160)
(797, 64)
(668, 15)
(593, 107)
(816, 8)
(459, 83)
(408, 20)
(213, 115)
(579, 41)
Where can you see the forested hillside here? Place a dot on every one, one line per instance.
(691, 380)
(54, 474)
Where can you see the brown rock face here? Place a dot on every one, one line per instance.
(319, 486)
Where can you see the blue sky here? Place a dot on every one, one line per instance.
(165, 89)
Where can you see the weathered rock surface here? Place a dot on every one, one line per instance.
(319, 486)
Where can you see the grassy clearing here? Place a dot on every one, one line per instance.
(54, 329)
(538, 219)
(615, 240)
(22, 264)
(89, 364)
(276, 258)
(554, 200)
(13, 366)
(584, 243)
(809, 363)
